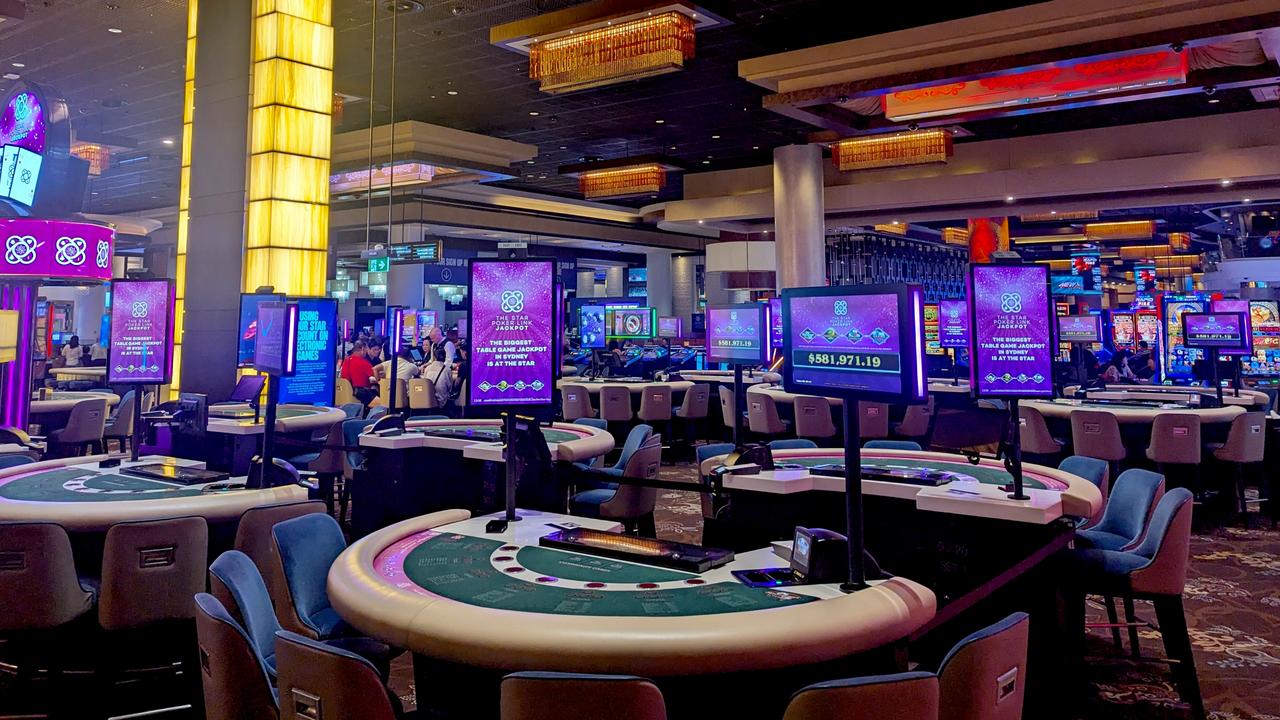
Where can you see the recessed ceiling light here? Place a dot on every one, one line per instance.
(1214, 101)
(564, 147)
(1248, 200)
(117, 31)
(1053, 212)
(755, 147)
(706, 162)
(1009, 198)
(699, 222)
(534, 113)
(452, 92)
(715, 137)
(11, 76)
(1225, 182)
(19, 65)
(531, 162)
(167, 141)
(659, 121)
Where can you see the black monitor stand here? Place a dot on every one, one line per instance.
(857, 579)
(511, 471)
(1013, 459)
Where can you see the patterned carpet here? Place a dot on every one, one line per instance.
(1233, 611)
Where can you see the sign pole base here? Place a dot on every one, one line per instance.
(1013, 462)
(853, 497)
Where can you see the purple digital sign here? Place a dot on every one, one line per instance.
(1079, 328)
(275, 351)
(1012, 342)
(23, 123)
(1234, 305)
(953, 323)
(738, 333)
(775, 322)
(141, 332)
(1215, 330)
(56, 249)
(855, 342)
(512, 332)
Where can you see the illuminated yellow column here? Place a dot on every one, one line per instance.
(184, 194)
(287, 228)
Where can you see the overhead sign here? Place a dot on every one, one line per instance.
(379, 264)
(1011, 338)
(142, 314)
(512, 332)
(56, 249)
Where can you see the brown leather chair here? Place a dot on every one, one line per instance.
(575, 402)
(915, 421)
(1096, 434)
(762, 415)
(552, 696)
(422, 394)
(151, 571)
(632, 505)
(1175, 440)
(343, 393)
(236, 683)
(84, 428)
(39, 589)
(813, 417)
(728, 406)
(873, 421)
(253, 538)
(904, 696)
(1246, 444)
(119, 427)
(322, 682)
(615, 403)
(985, 674)
(1034, 433)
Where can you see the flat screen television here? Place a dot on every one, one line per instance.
(249, 325)
(858, 342)
(1012, 345)
(1215, 331)
(1079, 328)
(738, 333)
(631, 323)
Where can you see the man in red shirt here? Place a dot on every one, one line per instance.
(358, 371)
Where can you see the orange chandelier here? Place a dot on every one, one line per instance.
(622, 177)
(629, 50)
(911, 148)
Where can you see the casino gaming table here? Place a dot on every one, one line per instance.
(719, 377)
(463, 600)
(62, 401)
(290, 418)
(445, 464)
(1245, 398)
(635, 386)
(1136, 412)
(79, 373)
(80, 496)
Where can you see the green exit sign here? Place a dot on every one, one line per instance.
(382, 264)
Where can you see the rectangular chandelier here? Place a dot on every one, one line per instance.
(1123, 230)
(629, 50)
(911, 148)
(622, 177)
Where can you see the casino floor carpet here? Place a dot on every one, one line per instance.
(1233, 611)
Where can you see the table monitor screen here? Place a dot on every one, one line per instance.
(738, 333)
(631, 323)
(249, 325)
(855, 342)
(248, 388)
(274, 349)
(1221, 331)
(953, 323)
(1079, 328)
(1012, 343)
(1235, 305)
(669, 327)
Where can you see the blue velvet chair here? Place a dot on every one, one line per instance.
(352, 459)
(351, 410)
(1125, 516)
(892, 445)
(792, 444)
(993, 658)
(1092, 469)
(592, 422)
(307, 547)
(1155, 570)
(235, 581)
(903, 696)
(628, 503)
(637, 437)
(237, 685)
(318, 680)
(553, 695)
(14, 460)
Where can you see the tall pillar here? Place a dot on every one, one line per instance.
(615, 281)
(658, 280)
(799, 215)
(212, 245)
(684, 288)
(586, 284)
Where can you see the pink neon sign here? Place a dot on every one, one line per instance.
(55, 249)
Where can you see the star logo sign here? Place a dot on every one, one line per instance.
(512, 301)
(841, 307)
(1010, 302)
(139, 309)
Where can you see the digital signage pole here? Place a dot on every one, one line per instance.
(395, 319)
(738, 334)
(1216, 332)
(141, 350)
(274, 353)
(1012, 344)
(513, 325)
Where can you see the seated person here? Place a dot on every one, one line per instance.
(358, 371)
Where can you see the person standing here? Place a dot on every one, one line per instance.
(72, 352)
(441, 356)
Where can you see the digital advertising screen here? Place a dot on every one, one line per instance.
(1123, 330)
(1066, 284)
(775, 322)
(1179, 358)
(427, 319)
(1148, 327)
(141, 332)
(249, 325)
(591, 328)
(858, 342)
(738, 333)
(931, 346)
(1012, 343)
(512, 332)
(315, 364)
(669, 327)
(275, 350)
(953, 323)
(1086, 265)
(1215, 330)
(1235, 305)
(631, 323)
(1079, 328)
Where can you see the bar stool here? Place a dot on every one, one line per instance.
(343, 393)
(615, 404)
(1245, 445)
(694, 409)
(728, 407)
(422, 394)
(1035, 435)
(1096, 434)
(813, 417)
(253, 538)
(655, 406)
(985, 674)
(762, 415)
(552, 696)
(915, 421)
(904, 696)
(873, 420)
(575, 402)
(235, 680)
(1175, 440)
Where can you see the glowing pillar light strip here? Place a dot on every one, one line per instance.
(395, 322)
(291, 339)
(917, 308)
(17, 375)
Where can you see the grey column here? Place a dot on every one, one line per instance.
(404, 285)
(685, 288)
(586, 284)
(215, 236)
(798, 215)
(658, 280)
(615, 282)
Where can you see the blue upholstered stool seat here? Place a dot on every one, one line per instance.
(587, 503)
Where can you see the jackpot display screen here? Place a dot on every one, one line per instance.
(631, 323)
(512, 332)
(1079, 328)
(1215, 330)
(738, 333)
(1012, 346)
(953, 323)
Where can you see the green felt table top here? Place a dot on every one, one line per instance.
(491, 433)
(982, 473)
(1128, 404)
(84, 485)
(542, 580)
